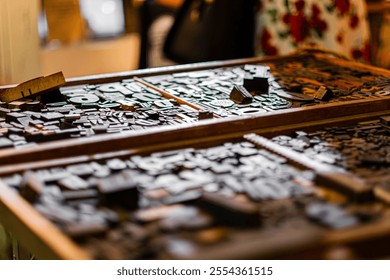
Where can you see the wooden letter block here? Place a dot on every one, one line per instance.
(240, 95)
(231, 211)
(119, 190)
(324, 94)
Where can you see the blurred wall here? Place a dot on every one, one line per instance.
(92, 57)
(19, 41)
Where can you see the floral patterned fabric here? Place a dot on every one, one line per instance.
(337, 25)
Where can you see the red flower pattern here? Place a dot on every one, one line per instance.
(354, 21)
(265, 39)
(316, 22)
(300, 5)
(286, 18)
(337, 24)
(299, 27)
(315, 11)
(340, 38)
(362, 53)
(343, 6)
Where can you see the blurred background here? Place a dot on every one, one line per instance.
(87, 37)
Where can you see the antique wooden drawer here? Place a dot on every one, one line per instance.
(306, 190)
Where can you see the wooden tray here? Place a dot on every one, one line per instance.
(259, 122)
(41, 237)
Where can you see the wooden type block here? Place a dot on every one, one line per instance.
(35, 137)
(153, 115)
(52, 177)
(34, 106)
(15, 104)
(204, 115)
(72, 117)
(65, 133)
(100, 129)
(256, 78)
(185, 197)
(80, 169)
(118, 190)
(13, 180)
(33, 115)
(80, 230)
(230, 210)
(51, 116)
(258, 84)
(156, 213)
(240, 95)
(36, 123)
(80, 194)
(323, 94)
(128, 105)
(31, 187)
(16, 129)
(5, 143)
(116, 164)
(4, 112)
(73, 183)
(345, 183)
(3, 131)
(33, 87)
(189, 218)
(330, 215)
(66, 124)
(385, 120)
(24, 121)
(13, 117)
(56, 105)
(58, 213)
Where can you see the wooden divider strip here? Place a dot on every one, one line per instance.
(207, 128)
